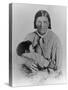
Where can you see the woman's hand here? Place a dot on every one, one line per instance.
(32, 59)
(31, 65)
(43, 62)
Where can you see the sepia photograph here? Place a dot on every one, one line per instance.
(38, 38)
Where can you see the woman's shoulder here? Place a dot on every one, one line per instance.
(52, 35)
(29, 36)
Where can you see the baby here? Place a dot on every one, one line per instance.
(26, 50)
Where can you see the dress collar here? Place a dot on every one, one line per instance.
(42, 35)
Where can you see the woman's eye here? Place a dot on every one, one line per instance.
(39, 21)
(45, 22)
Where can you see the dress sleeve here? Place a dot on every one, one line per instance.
(58, 55)
(55, 56)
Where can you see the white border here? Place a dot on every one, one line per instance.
(4, 47)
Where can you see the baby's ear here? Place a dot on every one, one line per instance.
(31, 48)
(35, 41)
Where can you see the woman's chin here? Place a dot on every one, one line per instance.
(42, 33)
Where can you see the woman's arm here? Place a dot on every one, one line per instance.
(37, 59)
(55, 56)
(30, 62)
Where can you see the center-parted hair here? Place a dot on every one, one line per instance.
(42, 13)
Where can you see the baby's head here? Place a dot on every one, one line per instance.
(24, 47)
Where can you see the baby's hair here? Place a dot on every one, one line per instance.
(22, 47)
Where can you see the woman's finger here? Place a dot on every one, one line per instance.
(34, 67)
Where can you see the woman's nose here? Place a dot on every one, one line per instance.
(42, 24)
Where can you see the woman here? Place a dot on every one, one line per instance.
(45, 42)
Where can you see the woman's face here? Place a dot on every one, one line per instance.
(42, 24)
